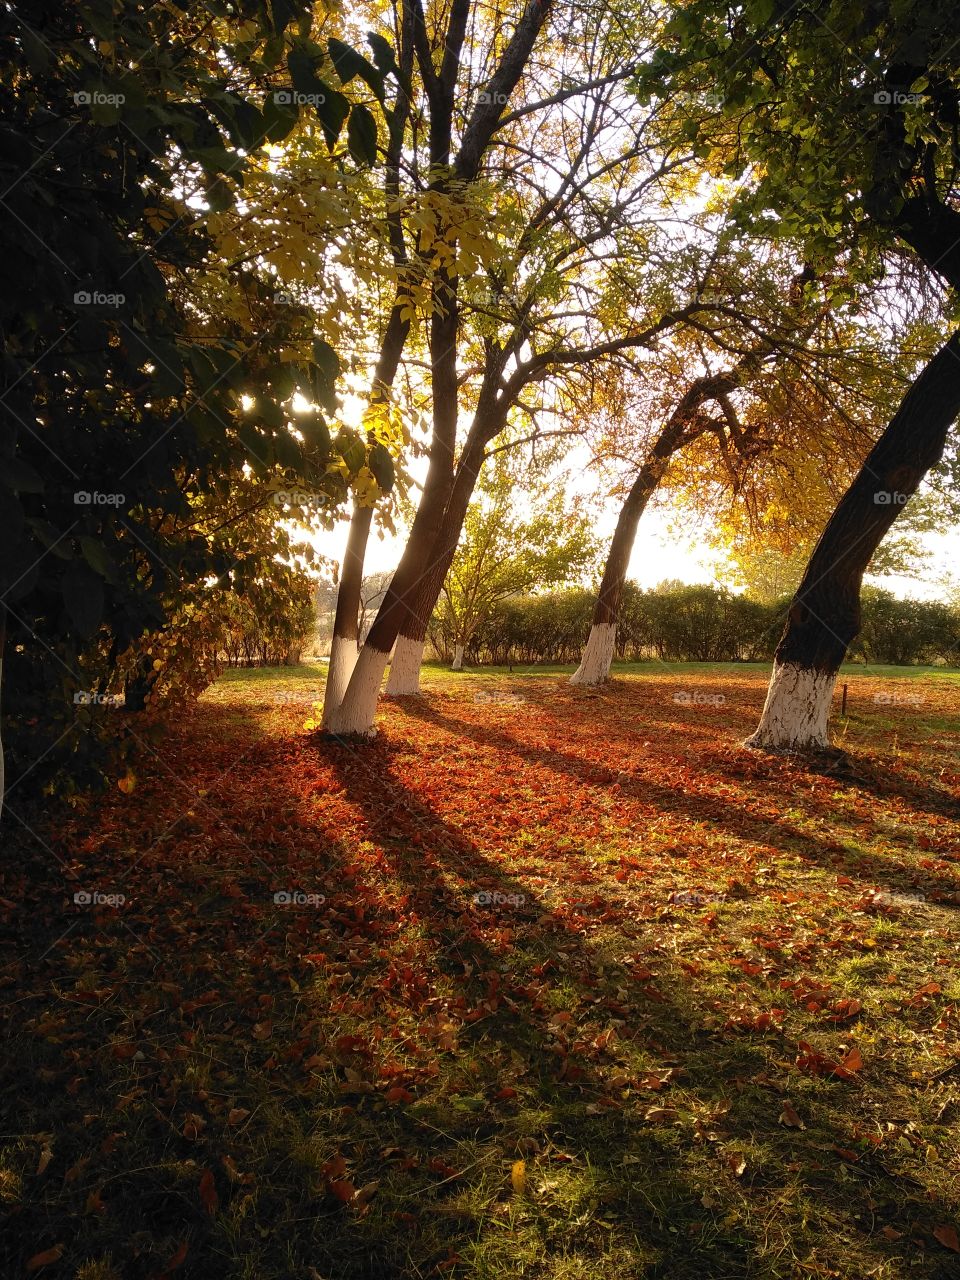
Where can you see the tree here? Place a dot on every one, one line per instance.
(850, 118)
(503, 554)
(136, 406)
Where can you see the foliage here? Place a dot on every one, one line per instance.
(903, 632)
(675, 622)
(503, 553)
(137, 404)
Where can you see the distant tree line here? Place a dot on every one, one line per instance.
(679, 623)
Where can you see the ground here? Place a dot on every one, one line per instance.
(560, 983)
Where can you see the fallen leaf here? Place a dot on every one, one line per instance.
(518, 1176)
(45, 1258)
(947, 1236)
(208, 1192)
(343, 1189)
(790, 1118)
(237, 1115)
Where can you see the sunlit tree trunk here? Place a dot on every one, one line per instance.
(458, 651)
(825, 615)
(683, 426)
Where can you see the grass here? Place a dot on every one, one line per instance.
(707, 1029)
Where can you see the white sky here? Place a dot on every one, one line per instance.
(660, 553)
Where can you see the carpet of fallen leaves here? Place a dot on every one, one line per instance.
(542, 982)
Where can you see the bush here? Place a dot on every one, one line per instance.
(680, 623)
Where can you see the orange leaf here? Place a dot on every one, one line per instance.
(45, 1258)
(790, 1118)
(852, 1061)
(947, 1236)
(237, 1115)
(208, 1192)
(398, 1094)
(343, 1189)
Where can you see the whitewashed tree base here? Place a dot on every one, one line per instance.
(598, 654)
(343, 659)
(358, 709)
(797, 710)
(457, 658)
(404, 678)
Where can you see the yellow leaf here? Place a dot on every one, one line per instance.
(518, 1176)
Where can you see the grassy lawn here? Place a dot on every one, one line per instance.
(561, 984)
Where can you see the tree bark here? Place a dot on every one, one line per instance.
(598, 653)
(825, 614)
(356, 713)
(458, 650)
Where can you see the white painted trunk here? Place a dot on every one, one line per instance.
(797, 709)
(598, 653)
(404, 678)
(343, 659)
(358, 709)
(457, 657)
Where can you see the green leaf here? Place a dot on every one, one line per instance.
(50, 537)
(383, 54)
(332, 110)
(348, 63)
(362, 135)
(381, 464)
(99, 558)
(350, 448)
(279, 119)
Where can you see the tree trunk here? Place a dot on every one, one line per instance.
(598, 653)
(825, 615)
(601, 644)
(404, 678)
(346, 623)
(457, 657)
(356, 712)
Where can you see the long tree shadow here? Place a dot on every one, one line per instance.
(700, 808)
(286, 813)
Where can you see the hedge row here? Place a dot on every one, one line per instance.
(680, 623)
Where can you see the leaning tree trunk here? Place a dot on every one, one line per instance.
(357, 710)
(458, 652)
(680, 429)
(825, 614)
(404, 678)
(346, 623)
(598, 652)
